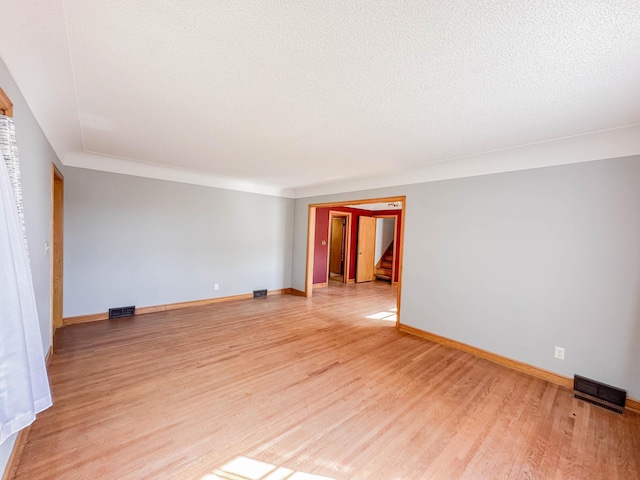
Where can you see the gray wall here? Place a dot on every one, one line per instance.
(139, 241)
(36, 156)
(519, 262)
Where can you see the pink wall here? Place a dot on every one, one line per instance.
(320, 251)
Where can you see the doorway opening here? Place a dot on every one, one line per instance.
(385, 248)
(356, 241)
(339, 246)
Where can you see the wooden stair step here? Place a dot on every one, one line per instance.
(383, 277)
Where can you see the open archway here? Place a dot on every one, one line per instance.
(318, 240)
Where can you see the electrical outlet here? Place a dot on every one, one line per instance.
(216, 286)
(559, 353)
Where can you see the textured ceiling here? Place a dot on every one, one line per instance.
(295, 94)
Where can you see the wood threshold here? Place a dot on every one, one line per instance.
(631, 403)
(96, 317)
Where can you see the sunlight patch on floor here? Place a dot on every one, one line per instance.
(387, 315)
(243, 468)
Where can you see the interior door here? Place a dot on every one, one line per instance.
(336, 255)
(366, 249)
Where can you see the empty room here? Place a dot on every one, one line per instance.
(319, 240)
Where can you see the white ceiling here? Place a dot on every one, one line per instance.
(302, 98)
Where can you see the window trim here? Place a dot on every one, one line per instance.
(6, 107)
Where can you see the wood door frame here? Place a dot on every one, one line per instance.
(57, 248)
(347, 242)
(369, 247)
(395, 244)
(331, 246)
(311, 232)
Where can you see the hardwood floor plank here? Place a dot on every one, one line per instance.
(309, 385)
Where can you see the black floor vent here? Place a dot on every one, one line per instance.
(259, 293)
(600, 394)
(122, 312)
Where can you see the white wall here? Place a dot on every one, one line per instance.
(516, 263)
(385, 228)
(36, 157)
(139, 241)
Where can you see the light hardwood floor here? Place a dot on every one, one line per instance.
(288, 384)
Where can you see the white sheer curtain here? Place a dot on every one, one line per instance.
(24, 386)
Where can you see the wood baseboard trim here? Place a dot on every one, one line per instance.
(195, 303)
(493, 357)
(295, 292)
(96, 317)
(12, 465)
(48, 357)
(631, 403)
(319, 285)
